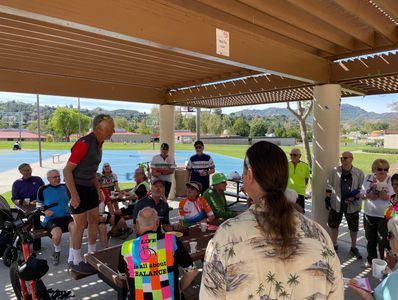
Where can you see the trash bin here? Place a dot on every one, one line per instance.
(181, 175)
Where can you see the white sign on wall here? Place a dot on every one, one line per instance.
(222, 42)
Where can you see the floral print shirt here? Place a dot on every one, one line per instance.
(240, 263)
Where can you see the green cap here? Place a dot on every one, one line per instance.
(218, 178)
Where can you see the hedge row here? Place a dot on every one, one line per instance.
(381, 150)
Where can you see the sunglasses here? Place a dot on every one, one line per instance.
(198, 147)
(294, 154)
(345, 157)
(381, 169)
(390, 236)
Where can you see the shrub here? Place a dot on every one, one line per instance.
(381, 150)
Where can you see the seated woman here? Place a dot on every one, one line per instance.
(194, 209)
(139, 191)
(119, 226)
(389, 286)
(216, 198)
(109, 179)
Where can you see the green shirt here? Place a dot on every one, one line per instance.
(298, 176)
(218, 204)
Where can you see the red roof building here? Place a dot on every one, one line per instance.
(14, 134)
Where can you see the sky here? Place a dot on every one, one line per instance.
(377, 103)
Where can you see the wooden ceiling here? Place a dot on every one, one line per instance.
(159, 51)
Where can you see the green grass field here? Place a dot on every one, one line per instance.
(362, 160)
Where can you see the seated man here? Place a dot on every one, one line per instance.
(194, 208)
(151, 261)
(155, 201)
(216, 198)
(26, 187)
(58, 218)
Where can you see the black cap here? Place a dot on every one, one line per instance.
(164, 146)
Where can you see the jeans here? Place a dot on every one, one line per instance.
(376, 234)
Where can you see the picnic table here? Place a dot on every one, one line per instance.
(106, 261)
(238, 194)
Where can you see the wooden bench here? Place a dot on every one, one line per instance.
(56, 156)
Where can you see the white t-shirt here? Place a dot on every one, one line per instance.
(375, 208)
(160, 163)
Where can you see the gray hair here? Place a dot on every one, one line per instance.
(393, 227)
(296, 150)
(51, 171)
(149, 218)
(99, 118)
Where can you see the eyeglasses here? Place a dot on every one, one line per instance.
(381, 169)
(390, 235)
(345, 157)
(198, 147)
(294, 154)
(164, 149)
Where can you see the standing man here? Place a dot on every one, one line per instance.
(299, 175)
(343, 197)
(80, 178)
(163, 167)
(57, 219)
(25, 189)
(200, 166)
(151, 261)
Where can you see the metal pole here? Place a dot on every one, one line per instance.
(78, 117)
(198, 123)
(20, 127)
(38, 129)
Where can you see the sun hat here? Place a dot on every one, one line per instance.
(218, 178)
(196, 185)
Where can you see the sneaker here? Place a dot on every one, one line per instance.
(355, 252)
(55, 258)
(367, 265)
(83, 268)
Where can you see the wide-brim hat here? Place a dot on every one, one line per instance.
(196, 185)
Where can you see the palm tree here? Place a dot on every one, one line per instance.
(250, 297)
(292, 282)
(278, 287)
(270, 279)
(284, 294)
(260, 289)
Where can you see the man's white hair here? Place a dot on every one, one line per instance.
(147, 217)
(295, 150)
(52, 171)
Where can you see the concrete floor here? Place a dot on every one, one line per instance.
(94, 288)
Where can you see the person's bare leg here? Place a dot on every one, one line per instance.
(93, 220)
(80, 221)
(56, 234)
(334, 233)
(353, 235)
(102, 235)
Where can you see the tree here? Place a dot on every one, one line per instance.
(64, 122)
(303, 110)
(179, 121)
(43, 126)
(121, 122)
(258, 127)
(190, 124)
(394, 120)
(241, 127)
(143, 128)
(215, 124)
(2, 125)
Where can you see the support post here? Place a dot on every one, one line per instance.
(326, 141)
(198, 123)
(38, 129)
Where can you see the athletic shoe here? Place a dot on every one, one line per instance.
(355, 252)
(367, 265)
(83, 268)
(55, 258)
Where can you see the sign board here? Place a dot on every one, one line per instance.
(222, 42)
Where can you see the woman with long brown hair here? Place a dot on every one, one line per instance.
(270, 251)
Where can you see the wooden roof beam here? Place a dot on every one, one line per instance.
(165, 25)
(335, 17)
(389, 6)
(365, 11)
(49, 84)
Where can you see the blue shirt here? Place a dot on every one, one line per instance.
(26, 188)
(388, 288)
(49, 194)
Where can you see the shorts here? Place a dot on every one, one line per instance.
(334, 220)
(88, 199)
(62, 222)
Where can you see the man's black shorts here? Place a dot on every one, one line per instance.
(62, 223)
(334, 220)
(88, 199)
